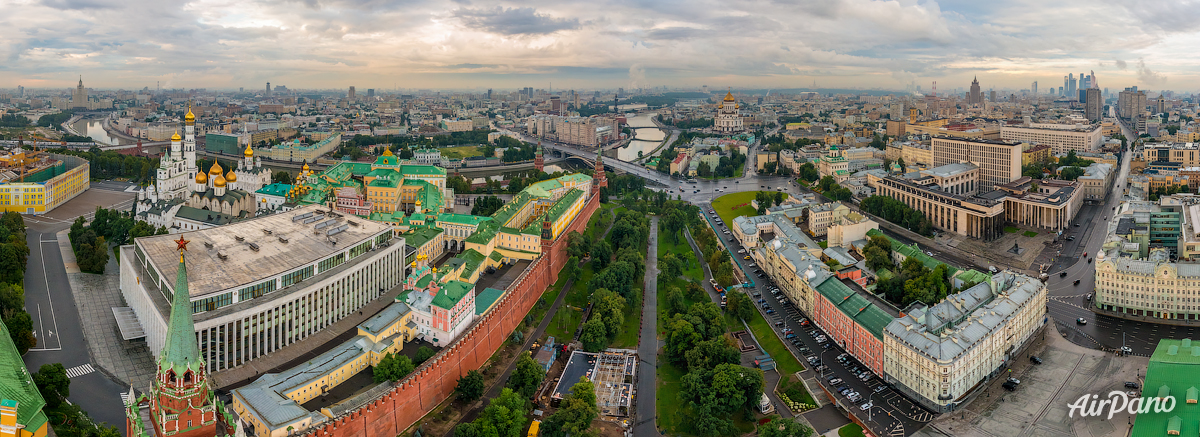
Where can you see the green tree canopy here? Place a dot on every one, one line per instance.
(470, 386)
(392, 368)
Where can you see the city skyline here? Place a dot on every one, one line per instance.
(473, 45)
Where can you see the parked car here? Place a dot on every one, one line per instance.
(835, 380)
(880, 388)
(1009, 386)
(1133, 385)
(866, 406)
(790, 336)
(1014, 380)
(1081, 321)
(1035, 359)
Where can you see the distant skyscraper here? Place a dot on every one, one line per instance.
(975, 97)
(1035, 87)
(489, 94)
(1094, 104)
(268, 89)
(350, 94)
(20, 90)
(370, 93)
(992, 96)
(1066, 86)
(1071, 85)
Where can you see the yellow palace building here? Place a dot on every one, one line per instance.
(60, 182)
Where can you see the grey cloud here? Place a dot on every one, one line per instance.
(514, 21)
(1121, 64)
(1148, 77)
(81, 4)
(674, 33)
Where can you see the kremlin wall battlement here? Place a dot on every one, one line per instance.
(433, 382)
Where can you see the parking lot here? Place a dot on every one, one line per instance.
(888, 412)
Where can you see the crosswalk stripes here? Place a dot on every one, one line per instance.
(897, 431)
(80, 370)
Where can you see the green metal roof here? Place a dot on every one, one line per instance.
(451, 293)
(471, 259)
(858, 308)
(275, 189)
(1173, 367)
(421, 235)
(462, 219)
(180, 352)
(913, 251)
(563, 204)
(486, 298)
(422, 170)
(17, 386)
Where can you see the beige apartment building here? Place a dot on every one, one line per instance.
(939, 355)
(916, 155)
(821, 216)
(1062, 138)
(999, 162)
(1044, 203)
(971, 216)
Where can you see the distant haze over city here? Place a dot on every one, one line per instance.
(853, 44)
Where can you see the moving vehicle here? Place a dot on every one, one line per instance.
(1076, 282)
(1062, 274)
(1081, 321)
(866, 406)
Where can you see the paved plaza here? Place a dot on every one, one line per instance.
(130, 362)
(1038, 407)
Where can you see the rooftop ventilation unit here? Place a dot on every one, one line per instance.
(301, 217)
(324, 224)
(282, 239)
(222, 256)
(239, 238)
(267, 231)
(337, 230)
(312, 219)
(208, 244)
(352, 222)
(253, 246)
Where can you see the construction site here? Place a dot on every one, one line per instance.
(21, 163)
(612, 373)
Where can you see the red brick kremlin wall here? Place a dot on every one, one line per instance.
(434, 381)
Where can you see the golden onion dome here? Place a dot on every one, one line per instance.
(249, 152)
(305, 166)
(175, 137)
(729, 96)
(387, 152)
(216, 169)
(219, 182)
(201, 178)
(190, 116)
(231, 176)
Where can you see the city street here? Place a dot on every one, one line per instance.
(892, 414)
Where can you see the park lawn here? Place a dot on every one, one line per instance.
(666, 398)
(736, 204)
(683, 250)
(632, 328)
(580, 293)
(460, 152)
(823, 244)
(547, 299)
(1011, 229)
(562, 327)
(784, 360)
(851, 430)
(1031, 234)
(795, 390)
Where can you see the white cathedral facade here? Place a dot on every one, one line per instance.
(184, 198)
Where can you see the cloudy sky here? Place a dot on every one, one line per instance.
(468, 44)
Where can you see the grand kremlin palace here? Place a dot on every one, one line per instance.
(261, 284)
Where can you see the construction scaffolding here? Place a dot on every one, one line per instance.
(611, 372)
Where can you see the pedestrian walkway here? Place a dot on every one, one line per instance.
(129, 362)
(648, 344)
(78, 371)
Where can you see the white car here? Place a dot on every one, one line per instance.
(866, 406)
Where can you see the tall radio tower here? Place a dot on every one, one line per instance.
(935, 88)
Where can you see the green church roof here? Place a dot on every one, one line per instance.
(180, 352)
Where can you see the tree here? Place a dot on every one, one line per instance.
(281, 177)
(577, 245)
(610, 307)
(681, 337)
(503, 417)
(392, 368)
(675, 303)
(1071, 173)
(527, 376)
(739, 305)
(594, 335)
(601, 255)
(670, 265)
(780, 427)
(575, 413)
(423, 354)
(716, 395)
(809, 172)
(470, 387)
(52, 381)
(486, 206)
(20, 328)
(704, 170)
(903, 168)
(779, 198)
(711, 353)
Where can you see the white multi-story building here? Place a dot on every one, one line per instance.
(729, 117)
(267, 283)
(999, 162)
(1061, 137)
(939, 355)
(1149, 266)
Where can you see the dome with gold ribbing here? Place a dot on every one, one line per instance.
(249, 152)
(219, 181)
(175, 137)
(189, 118)
(216, 169)
(201, 178)
(231, 176)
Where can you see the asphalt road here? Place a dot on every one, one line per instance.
(56, 324)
